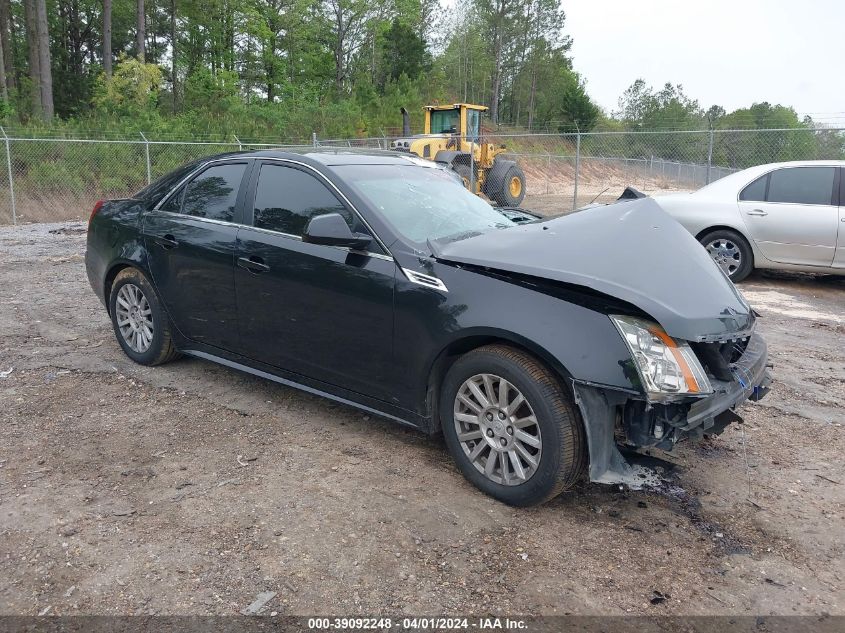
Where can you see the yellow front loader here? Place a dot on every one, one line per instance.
(452, 136)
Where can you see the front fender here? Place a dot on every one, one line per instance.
(577, 341)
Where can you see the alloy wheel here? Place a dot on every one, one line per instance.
(726, 254)
(497, 429)
(134, 318)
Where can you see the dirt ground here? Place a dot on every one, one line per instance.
(191, 488)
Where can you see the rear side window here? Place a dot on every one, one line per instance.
(756, 191)
(287, 198)
(802, 185)
(214, 192)
(152, 194)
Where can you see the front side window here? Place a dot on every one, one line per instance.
(214, 192)
(286, 199)
(423, 203)
(756, 191)
(802, 185)
(445, 121)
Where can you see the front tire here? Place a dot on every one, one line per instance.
(511, 427)
(730, 251)
(139, 321)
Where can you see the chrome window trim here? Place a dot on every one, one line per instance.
(387, 256)
(299, 239)
(197, 217)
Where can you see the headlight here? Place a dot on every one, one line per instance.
(666, 366)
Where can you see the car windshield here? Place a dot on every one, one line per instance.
(423, 203)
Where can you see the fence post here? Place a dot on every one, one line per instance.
(549, 174)
(709, 156)
(238, 141)
(472, 167)
(577, 169)
(11, 180)
(313, 139)
(147, 153)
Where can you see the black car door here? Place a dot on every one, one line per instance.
(320, 311)
(191, 241)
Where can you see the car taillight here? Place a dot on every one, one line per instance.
(97, 207)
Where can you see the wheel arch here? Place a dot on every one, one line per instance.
(755, 253)
(112, 273)
(456, 348)
(721, 227)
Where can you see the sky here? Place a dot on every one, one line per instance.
(724, 52)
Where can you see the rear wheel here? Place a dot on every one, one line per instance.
(730, 251)
(140, 323)
(510, 426)
(507, 188)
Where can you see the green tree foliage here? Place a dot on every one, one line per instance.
(285, 68)
(132, 89)
(289, 67)
(403, 52)
(735, 144)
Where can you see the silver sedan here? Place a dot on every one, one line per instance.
(788, 216)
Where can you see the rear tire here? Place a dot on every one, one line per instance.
(535, 461)
(730, 251)
(507, 189)
(140, 323)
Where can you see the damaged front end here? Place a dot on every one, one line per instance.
(735, 370)
(677, 350)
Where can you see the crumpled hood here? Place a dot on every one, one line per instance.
(633, 251)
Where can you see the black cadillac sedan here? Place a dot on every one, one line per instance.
(538, 348)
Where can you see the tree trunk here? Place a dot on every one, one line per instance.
(496, 83)
(107, 37)
(7, 33)
(140, 31)
(44, 61)
(32, 50)
(532, 96)
(173, 50)
(4, 88)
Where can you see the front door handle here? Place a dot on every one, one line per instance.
(759, 212)
(167, 241)
(253, 264)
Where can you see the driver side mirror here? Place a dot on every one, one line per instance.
(332, 230)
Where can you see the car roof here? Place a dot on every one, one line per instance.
(740, 179)
(332, 157)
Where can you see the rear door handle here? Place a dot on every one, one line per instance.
(759, 212)
(253, 264)
(167, 241)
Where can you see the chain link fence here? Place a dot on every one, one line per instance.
(53, 179)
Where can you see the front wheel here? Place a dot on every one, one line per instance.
(512, 429)
(730, 251)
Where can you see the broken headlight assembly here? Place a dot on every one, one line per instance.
(666, 367)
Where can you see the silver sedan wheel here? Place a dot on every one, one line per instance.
(497, 429)
(134, 318)
(726, 253)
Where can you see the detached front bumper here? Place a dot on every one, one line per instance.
(751, 382)
(609, 414)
